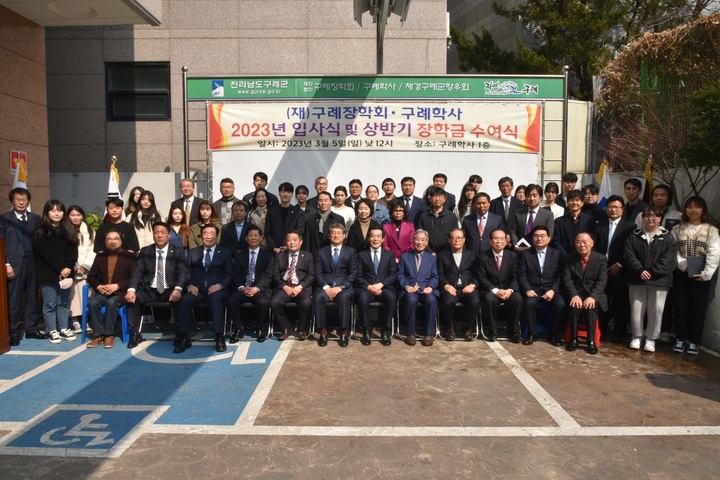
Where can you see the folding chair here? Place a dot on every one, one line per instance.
(475, 323)
(373, 306)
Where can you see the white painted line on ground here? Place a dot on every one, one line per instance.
(252, 409)
(341, 431)
(40, 353)
(8, 384)
(550, 405)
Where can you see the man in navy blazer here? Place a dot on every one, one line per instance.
(16, 227)
(481, 222)
(506, 204)
(233, 233)
(418, 279)
(188, 202)
(572, 223)
(414, 206)
(531, 212)
(377, 275)
(146, 285)
(335, 273)
(583, 282)
(539, 271)
(283, 218)
(497, 273)
(251, 278)
(457, 282)
(210, 267)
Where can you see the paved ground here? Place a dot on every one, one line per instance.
(279, 410)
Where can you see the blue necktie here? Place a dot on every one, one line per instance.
(207, 259)
(336, 256)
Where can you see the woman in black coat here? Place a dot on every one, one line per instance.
(357, 237)
(56, 251)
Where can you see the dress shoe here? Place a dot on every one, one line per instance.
(302, 335)
(515, 338)
(220, 345)
(529, 339)
(176, 339)
(14, 341)
(572, 345)
(592, 348)
(365, 340)
(555, 341)
(283, 335)
(37, 335)
(109, 341)
(236, 335)
(385, 338)
(469, 336)
(95, 342)
(450, 335)
(322, 340)
(183, 343)
(427, 341)
(343, 342)
(492, 336)
(410, 340)
(135, 340)
(261, 335)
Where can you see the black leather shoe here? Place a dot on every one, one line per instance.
(283, 335)
(302, 335)
(261, 335)
(220, 345)
(365, 340)
(469, 335)
(592, 348)
(492, 337)
(14, 341)
(236, 335)
(343, 342)
(450, 335)
(176, 339)
(572, 345)
(410, 340)
(385, 338)
(555, 341)
(135, 340)
(322, 341)
(529, 339)
(37, 335)
(183, 343)
(515, 338)
(427, 341)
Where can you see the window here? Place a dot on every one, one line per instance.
(138, 91)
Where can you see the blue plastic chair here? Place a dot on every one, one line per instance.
(122, 313)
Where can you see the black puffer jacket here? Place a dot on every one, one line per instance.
(659, 258)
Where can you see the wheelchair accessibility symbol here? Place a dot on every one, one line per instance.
(81, 430)
(202, 351)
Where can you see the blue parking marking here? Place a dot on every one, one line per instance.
(14, 366)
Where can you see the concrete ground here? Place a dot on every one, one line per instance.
(294, 410)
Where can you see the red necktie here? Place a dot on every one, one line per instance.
(481, 227)
(498, 261)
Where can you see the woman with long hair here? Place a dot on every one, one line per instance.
(55, 244)
(86, 255)
(399, 232)
(520, 193)
(179, 231)
(143, 219)
(465, 204)
(340, 208)
(698, 254)
(258, 211)
(357, 236)
(206, 214)
(133, 202)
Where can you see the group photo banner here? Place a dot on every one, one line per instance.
(383, 126)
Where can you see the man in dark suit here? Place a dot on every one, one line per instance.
(377, 275)
(233, 234)
(114, 265)
(188, 201)
(497, 273)
(583, 283)
(293, 275)
(610, 236)
(355, 188)
(335, 273)
(210, 267)
(317, 224)
(16, 227)
(260, 180)
(251, 277)
(159, 276)
(440, 180)
(478, 227)
(506, 204)
(457, 282)
(437, 221)
(418, 279)
(414, 206)
(321, 185)
(530, 216)
(569, 180)
(539, 270)
(572, 223)
(283, 218)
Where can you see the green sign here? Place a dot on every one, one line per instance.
(360, 88)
